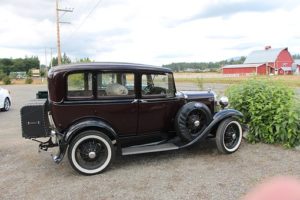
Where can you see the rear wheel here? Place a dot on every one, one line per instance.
(229, 136)
(91, 152)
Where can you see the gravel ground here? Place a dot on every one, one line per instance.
(199, 172)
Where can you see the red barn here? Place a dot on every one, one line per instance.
(262, 62)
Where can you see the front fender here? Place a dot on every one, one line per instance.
(217, 118)
(222, 114)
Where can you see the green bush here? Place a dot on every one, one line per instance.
(2, 75)
(200, 83)
(270, 110)
(6, 80)
(28, 80)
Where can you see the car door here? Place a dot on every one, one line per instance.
(116, 94)
(157, 103)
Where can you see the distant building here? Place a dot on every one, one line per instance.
(35, 72)
(264, 62)
(18, 75)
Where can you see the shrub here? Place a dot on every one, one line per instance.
(270, 110)
(6, 80)
(200, 83)
(2, 75)
(28, 80)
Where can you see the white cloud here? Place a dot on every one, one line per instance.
(151, 32)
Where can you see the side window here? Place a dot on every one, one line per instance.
(80, 85)
(115, 85)
(161, 85)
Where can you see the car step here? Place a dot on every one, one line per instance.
(148, 149)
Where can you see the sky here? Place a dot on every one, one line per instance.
(153, 32)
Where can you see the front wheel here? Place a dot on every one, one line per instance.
(91, 152)
(229, 136)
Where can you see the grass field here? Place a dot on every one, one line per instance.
(200, 78)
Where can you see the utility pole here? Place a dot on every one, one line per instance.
(58, 30)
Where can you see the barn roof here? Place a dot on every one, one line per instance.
(242, 66)
(263, 56)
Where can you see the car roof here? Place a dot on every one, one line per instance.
(109, 66)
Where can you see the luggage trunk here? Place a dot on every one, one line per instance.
(34, 119)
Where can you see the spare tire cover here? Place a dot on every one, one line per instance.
(191, 120)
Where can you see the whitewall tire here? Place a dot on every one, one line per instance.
(229, 136)
(91, 152)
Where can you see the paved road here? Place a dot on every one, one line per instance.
(196, 173)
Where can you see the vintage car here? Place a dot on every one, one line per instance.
(97, 110)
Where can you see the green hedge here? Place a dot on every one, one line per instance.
(270, 110)
(6, 80)
(28, 80)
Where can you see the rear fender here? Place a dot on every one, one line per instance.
(90, 124)
(217, 118)
(80, 126)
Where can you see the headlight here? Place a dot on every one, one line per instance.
(223, 101)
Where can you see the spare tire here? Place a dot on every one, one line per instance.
(191, 120)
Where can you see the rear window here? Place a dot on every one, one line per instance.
(115, 84)
(80, 85)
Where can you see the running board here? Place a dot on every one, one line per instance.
(148, 149)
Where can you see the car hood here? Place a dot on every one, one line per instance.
(191, 95)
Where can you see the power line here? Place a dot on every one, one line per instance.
(85, 19)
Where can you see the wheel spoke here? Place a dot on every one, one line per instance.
(231, 136)
(84, 158)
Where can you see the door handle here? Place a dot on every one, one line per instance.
(139, 100)
(135, 101)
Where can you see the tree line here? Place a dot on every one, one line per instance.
(202, 66)
(67, 60)
(8, 65)
(296, 56)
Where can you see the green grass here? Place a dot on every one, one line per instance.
(292, 81)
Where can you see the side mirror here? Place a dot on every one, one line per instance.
(224, 101)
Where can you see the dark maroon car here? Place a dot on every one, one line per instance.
(97, 110)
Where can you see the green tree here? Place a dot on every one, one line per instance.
(64, 60)
(42, 73)
(85, 60)
(54, 62)
(296, 56)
